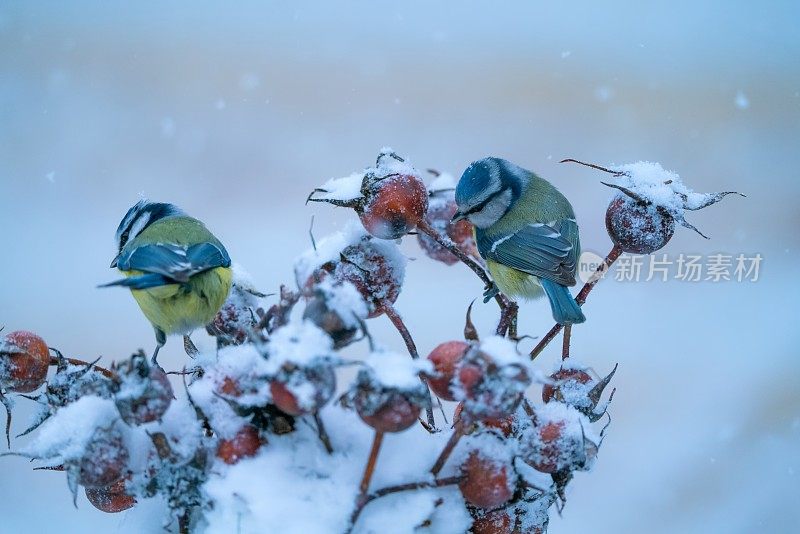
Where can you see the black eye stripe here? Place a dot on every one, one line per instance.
(479, 206)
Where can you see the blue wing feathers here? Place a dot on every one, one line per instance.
(165, 263)
(547, 251)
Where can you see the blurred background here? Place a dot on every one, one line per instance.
(236, 113)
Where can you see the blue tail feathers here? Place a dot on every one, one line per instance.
(565, 309)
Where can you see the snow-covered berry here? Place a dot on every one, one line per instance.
(488, 480)
(302, 390)
(491, 380)
(244, 444)
(388, 394)
(441, 208)
(24, 360)
(144, 392)
(104, 460)
(394, 205)
(445, 358)
(560, 440)
(638, 228)
(570, 385)
(111, 499)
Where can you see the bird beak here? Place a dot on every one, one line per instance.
(114, 261)
(457, 217)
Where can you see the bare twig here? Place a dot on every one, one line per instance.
(389, 490)
(580, 299)
(455, 437)
(74, 361)
(371, 461)
(565, 346)
(398, 323)
(502, 300)
(322, 433)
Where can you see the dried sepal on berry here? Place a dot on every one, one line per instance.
(24, 360)
(390, 198)
(572, 384)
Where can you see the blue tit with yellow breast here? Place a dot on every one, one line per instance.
(177, 271)
(526, 231)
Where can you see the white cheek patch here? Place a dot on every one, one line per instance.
(493, 211)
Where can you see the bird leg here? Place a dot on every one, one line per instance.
(490, 292)
(161, 340)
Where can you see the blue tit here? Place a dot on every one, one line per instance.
(177, 271)
(526, 231)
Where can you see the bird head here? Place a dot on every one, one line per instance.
(487, 190)
(140, 216)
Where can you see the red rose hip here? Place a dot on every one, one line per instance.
(487, 482)
(24, 360)
(445, 359)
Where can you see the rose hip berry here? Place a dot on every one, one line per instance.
(24, 360)
(144, 393)
(445, 359)
(439, 217)
(366, 267)
(111, 499)
(565, 382)
(490, 391)
(393, 206)
(638, 228)
(487, 482)
(244, 444)
(318, 312)
(504, 425)
(105, 459)
(493, 522)
(303, 390)
(393, 412)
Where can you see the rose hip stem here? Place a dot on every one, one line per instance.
(398, 323)
(389, 490)
(75, 361)
(371, 461)
(455, 437)
(322, 433)
(508, 309)
(565, 346)
(615, 253)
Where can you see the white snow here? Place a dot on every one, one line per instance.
(397, 371)
(327, 249)
(300, 343)
(346, 188)
(65, 435)
(661, 187)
